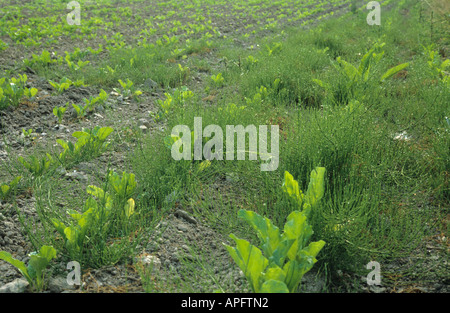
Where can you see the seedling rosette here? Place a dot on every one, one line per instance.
(6, 189)
(283, 258)
(34, 272)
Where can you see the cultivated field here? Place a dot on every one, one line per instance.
(353, 102)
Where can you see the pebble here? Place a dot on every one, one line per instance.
(143, 128)
(143, 121)
(182, 227)
(149, 260)
(18, 285)
(59, 284)
(78, 176)
(150, 83)
(186, 216)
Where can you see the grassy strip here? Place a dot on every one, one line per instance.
(382, 143)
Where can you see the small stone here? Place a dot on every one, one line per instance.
(186, 216)
(78, 176)
(8, 224)
(16, 286)
(147, 259)
(59, 284)
(60, 126)
(61, 171)
(99, 109)
(143, 128)
(150, 83)
(182, 227)
(402, 136)
(144, 121)
(232, 177)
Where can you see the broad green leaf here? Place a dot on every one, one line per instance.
(393, 71)
(445, 64)
(314, 247)
(294, 272)
(275, 273)
(71, 235)
(364, 65)
(79, 134)
(101, 195)
(74, 214)
(33, 92)
(316, 186)
(297, 228)
(38, 262)
(104, 132)
(59, 226)
(5, 256)
(350, 71)
(4, 189)
(95, 191)
(318, 82)
(290, 186)
(47, 252)
(266, 231)
(250, 260)
(129, 208)
(280, 254)
(63, 144)
(274, 286)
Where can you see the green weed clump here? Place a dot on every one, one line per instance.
(288, 256)
(13, 90)
(35, 271)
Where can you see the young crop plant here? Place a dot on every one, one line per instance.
(41, 60)
(360, 75)
(282, 259)
(62, 86)
(127, 90)
(35, 271)
(7, 189)
(90, 104)
(13, 90)
(276, 47)
(106, 214)
(3, 45)
(178, 99)
(58, 112)
(184, 73)
(27, 133)
(260, 95)
(218, 80)
(90, 144)
(438, 67)
(81, 110)
(75, 66)
(251, 60)
(37, 166)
